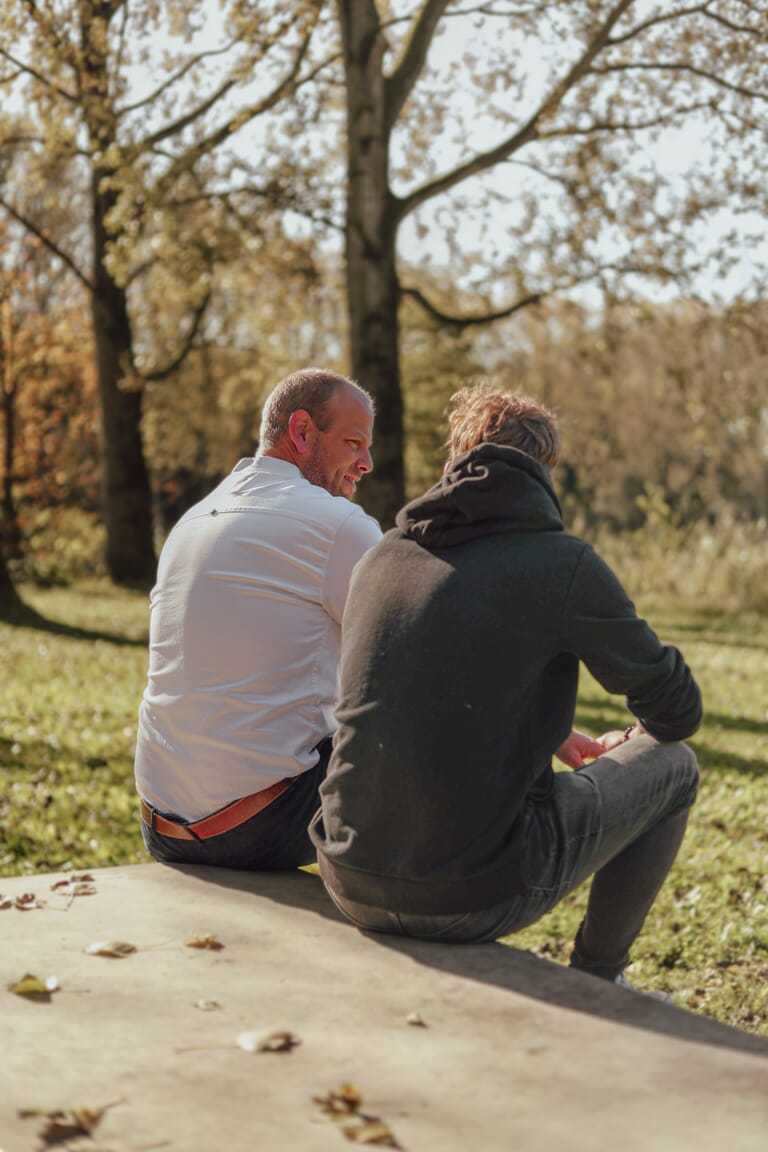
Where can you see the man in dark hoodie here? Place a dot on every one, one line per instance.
(442, 817)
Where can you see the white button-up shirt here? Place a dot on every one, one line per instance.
(245, 630)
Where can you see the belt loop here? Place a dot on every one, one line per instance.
(152, 818)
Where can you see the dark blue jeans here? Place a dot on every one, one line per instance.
(276, 837)
(622, 819)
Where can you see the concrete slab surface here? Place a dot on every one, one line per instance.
(516, 1053)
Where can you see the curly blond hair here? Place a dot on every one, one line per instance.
(483, 415)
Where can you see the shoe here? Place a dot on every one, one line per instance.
(653, 993)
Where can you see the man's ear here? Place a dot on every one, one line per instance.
(300, 429)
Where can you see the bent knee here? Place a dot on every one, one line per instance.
(686, 768)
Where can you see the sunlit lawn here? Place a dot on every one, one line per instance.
(67, 729)
(706, 939)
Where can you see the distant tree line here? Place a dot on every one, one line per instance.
(194, 188)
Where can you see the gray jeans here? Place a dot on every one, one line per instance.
(622, 819)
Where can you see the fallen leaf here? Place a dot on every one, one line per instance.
(82, 888)
(343, 1106)
(415, 1020)
(27, 901)
(368, 1131)
(115, 948)
(5, 902)
(34, 988)
(60, 1126)
(271, 1040)
(207, 1005)
(66, 1124)
(350, 1094)
(72, 880)
(345, 1099)
(208, 941)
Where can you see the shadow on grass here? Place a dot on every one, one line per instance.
(495, 964)
(21, 615)
(737, 723)
(717, 761)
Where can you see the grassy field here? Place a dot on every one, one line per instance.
(71, 684)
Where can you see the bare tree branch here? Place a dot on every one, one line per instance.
(467, 320)
(174, 79)
(677, 14)
(49, 244)
(529, 131)
(28, 70)
(163, 373)
(288, 84)
(189, 117)
(681, 66)
(275, 193)
(408, 69)
(660, 121)
(44, 21)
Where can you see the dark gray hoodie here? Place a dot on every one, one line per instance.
(462, 637)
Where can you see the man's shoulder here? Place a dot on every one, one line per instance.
(354, 520)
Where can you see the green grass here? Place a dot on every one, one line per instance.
(70, 692)
(706, 939)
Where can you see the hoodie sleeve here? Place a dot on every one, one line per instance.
(601, 628)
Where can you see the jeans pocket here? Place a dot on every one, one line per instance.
(422, 927)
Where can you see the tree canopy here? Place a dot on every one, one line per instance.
(479, 159)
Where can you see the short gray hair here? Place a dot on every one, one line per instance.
(310, 389)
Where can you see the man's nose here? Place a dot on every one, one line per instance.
(365, 461)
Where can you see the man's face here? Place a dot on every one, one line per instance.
(341, 454)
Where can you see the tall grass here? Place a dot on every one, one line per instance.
(719, 566)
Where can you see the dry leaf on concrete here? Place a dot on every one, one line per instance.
(116, 949)
(343, 1107)
(27, 901)
(76, 880)
(415, 1020)
(341, 1101)
(34, 988)
(269, 1040)
(208, 941)
(62, 1124)
(207, 1005)
(368, 1130)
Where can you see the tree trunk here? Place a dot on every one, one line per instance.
(125, 479)
(371, 270)
(10, 529)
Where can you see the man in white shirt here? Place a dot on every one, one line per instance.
(245, 627)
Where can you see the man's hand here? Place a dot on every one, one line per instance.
(579, 748)
(614, 738)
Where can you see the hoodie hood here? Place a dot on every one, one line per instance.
(491, 488)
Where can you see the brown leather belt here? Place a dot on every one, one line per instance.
(235, 813)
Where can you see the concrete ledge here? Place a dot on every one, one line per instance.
(518, 1053)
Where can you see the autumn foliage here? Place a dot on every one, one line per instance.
(49, 430)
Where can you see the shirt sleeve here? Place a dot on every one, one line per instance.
(600, 627)
(355, 536)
